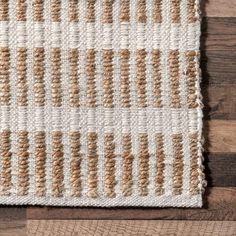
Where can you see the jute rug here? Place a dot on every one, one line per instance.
(100, 103)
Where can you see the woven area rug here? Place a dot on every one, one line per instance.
(100, 103)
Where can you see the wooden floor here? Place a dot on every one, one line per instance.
(218, 216)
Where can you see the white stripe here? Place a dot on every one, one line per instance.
(91, 120)
(107, 36)
(193, 121)
(102, 201)
(12, 118)
(124, 35)
(21, 34)
(176, 121)
(74, 119)
(5, 114)
(193, 36)
(108, 120)
(82, 95)
(56, 34)
(90, 35)
(156, 36)
(141, 35)
(22, 118)
(39, 119)
(175, 36)
(4, 34)
(165, 86)
(39, 28)
(126, 121)
(73, 35)
(56, 118)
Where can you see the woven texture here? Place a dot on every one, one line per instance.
(100, 103)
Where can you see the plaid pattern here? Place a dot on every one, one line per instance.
(100, 103)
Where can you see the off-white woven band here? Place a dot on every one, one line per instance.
(100, 103)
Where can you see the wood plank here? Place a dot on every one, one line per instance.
(220, 136)
(12, 221)
(132, 227)
(219, 101)
(218, 67)
(219, 8)
(220, 169)
(218, 33)
(220, 204)
(12, 228)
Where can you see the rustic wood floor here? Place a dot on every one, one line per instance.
(218, 216)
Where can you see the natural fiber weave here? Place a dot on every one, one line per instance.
(100, 103)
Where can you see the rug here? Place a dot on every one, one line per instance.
(100, 103)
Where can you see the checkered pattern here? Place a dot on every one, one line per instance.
(100, 103)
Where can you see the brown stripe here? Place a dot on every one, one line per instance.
(108, 78)
(175, 78)
(175, 11)
(157, 11)
(90, 15)
(22, 87)
(191, 56)
(143, 164)
(56, 10)
(73, 10)
(160, 165)
(57, 164)
(156, 61)
(178, 165)
(125, 77)
(40, 163)
(109, 150)
(39, 70)
(75, 165)
(193, 11)
(92, 165)
(38, 6)
(23, 163)
(21, 10)
(91, 73)
(4, 76)
(56, 77)
(74, 78)
(107, 11)
(125, 11)
(194, 171)
(6, 154)
(141, 11)
(141, 77)
(128, 157)
(4, 10)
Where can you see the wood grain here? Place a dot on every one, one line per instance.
(220, 136)
(12, 221)
(219, 8)
(218, 67)
(220, 204)
(218, 34)
(218, 63)
(215, 174)
(219, 101)
(138, 228)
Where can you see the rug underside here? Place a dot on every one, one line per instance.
(100, 103)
